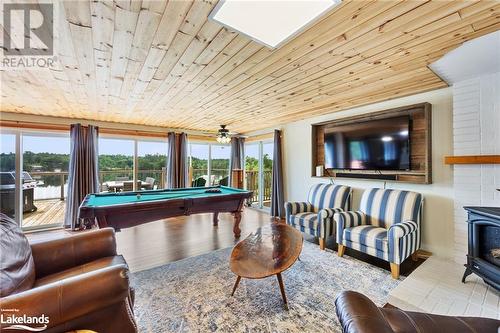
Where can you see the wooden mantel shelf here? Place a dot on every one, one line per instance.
(472, 159)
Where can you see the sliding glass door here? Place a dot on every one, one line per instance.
(116, 164)
(45, 179)
(258, 172)
(151, 164)
(7, 174)
(219, 165)
(209, 164)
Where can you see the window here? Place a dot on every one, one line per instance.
(219, 165)
(259, 171)
(198, 162)
(45, 179)
(152, 164)
(267, 176)
(209, 164)
(7, 175)
(252, 171)
(116, 164)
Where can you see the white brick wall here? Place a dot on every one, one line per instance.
(476, 131)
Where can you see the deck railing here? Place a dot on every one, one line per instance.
(55, 182)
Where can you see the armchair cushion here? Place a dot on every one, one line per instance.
(17, 270)
(305, 222)
(367, 235)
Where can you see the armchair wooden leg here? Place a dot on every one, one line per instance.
(321, 243)
(395, 271)
(340, 250)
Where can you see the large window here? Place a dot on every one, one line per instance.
(7, 169)
(209, 164)
(267, 172)
(116, 164)
(252, 171)
(258, 172)
(46, 161)
(152, 164)
(219, 165)
(198, 162)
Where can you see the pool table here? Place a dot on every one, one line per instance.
(129, 209)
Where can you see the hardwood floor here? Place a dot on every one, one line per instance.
(157, 243)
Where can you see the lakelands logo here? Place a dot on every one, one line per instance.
(28, 38)
(15, 321)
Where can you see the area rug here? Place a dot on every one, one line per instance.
(194, 294)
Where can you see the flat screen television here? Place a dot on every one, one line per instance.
(382, 144)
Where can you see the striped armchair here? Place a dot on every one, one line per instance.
(315, 217)
(386, 226)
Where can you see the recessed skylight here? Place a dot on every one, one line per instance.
(270, 22)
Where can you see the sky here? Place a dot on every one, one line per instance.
(60, 145)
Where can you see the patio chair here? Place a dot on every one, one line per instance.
(151, 183)
(199, 182)
(104, 187)
(224, 181)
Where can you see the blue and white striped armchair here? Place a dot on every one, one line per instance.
(386, 226)
(315, 217)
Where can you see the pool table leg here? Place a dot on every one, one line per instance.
(237, 220)
(216, 219)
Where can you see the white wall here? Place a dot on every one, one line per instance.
(476, 124)
(438, 225)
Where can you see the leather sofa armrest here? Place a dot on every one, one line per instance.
(357, 313)
(59, 254)
(70, 298)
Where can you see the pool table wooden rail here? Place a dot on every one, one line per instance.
(128, 215)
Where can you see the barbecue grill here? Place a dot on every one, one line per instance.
(8, 192)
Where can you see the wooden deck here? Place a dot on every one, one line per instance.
(49, 212)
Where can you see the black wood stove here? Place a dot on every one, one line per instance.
(483, 258)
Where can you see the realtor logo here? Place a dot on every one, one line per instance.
(28, 39)
(10, 319)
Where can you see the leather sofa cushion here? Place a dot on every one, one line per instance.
(17, 268)
(81, 269)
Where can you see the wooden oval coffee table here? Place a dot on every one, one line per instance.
(268, 251)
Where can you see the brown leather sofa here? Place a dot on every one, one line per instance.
(357, 313)
(80, 283)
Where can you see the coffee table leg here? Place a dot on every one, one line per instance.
(236, 285)
(282, 288)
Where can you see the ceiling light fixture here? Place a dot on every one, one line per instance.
(270, 23)
(223, 135)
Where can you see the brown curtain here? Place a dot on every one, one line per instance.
(237, 156)
(277, 191)
(83, 171)
(177, 165)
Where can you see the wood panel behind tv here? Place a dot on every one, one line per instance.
(420, 144)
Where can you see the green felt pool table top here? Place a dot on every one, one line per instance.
(110, 199)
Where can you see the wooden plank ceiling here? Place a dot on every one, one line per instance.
(164, 63)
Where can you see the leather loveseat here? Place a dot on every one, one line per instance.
(357, 313)
(79, 282)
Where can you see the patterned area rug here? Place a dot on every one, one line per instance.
(194, 294)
